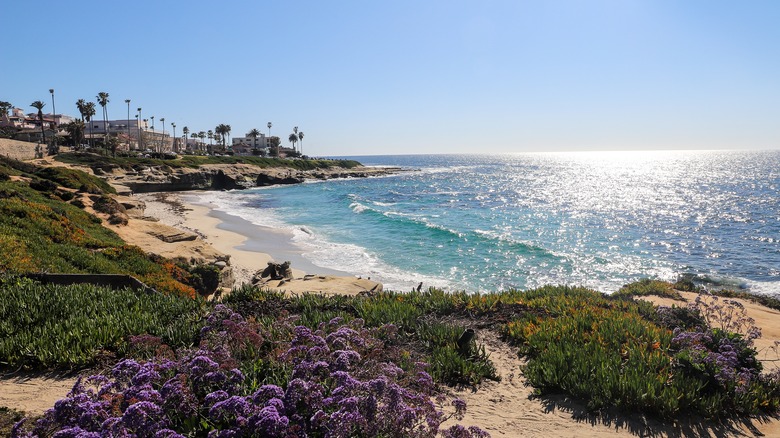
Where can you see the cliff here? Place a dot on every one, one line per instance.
(161, 178)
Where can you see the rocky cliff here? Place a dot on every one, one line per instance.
(143, 179)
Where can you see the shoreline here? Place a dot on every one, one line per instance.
(249, 246)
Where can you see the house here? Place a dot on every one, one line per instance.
(261, 143)
(34, 135)
(19, 120)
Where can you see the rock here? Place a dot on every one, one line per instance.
(274, 271)
(173, 235)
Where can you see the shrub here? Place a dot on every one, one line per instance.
(78, 203)
(74, 179)
(204, 278)
(117, 219)
(65, 195)
(43, 185)
(646, 287)
(107, 204)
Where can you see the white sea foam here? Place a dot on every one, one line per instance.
(358, 207)
(359, 261)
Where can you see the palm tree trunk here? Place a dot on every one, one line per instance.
(43, 132)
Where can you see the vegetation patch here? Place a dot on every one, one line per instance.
(646, 286)
(334, 381)
(195, 161)
(70, 178)
(41, 234)
(47, 326)
(604, 351)
(417, 317)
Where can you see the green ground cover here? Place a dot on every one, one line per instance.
(41, 232)
(54, 327)
(194, 161)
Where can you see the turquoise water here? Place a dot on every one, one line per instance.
(492, 222)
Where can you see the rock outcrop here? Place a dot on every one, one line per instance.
(145, 179)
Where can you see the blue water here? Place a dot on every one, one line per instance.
(493, 222)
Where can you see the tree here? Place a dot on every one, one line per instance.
(186, 131)
(275, 142)
(201, 136)
(39, 106)
(254, 133)
(87, 110)
(211, 136)
(293, 138)
(102, 99)
(223, 130)
(300, 139)
(194, 135)
(76, 131)
(81, 104)
(4, 107)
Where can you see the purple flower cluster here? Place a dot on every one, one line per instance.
(725, 350)
(727, 315)
(333, 391)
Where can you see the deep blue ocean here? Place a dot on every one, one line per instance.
(494, 222)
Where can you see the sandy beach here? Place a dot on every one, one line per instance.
(247, 247)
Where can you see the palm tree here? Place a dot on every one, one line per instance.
(300, 139)
(53, 109)
(162, 139)
(127, 101)
(140, 134)
(89, 111)
(186, 131)
(197, 145)
(173, 145)
(102, 99)
(269, 129)
(81, 104)
(211, 136)
(293, 138)
(201, 136)
(154, 135)
(39, 105)
(223, 130)
(254, 133)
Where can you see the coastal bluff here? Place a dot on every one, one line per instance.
(162, 178)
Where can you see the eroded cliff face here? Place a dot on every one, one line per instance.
(144, 179)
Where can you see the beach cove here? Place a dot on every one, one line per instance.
(249, 246)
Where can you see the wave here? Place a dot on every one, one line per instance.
(360, 261)
(525, 246)
(358, 207)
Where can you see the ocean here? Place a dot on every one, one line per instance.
(495, 222)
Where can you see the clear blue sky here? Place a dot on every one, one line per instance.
(415, 76)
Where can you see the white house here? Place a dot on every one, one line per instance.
(261, 142)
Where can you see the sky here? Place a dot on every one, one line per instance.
(415, 76)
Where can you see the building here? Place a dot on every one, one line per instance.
(261, 143)
(19, 120)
